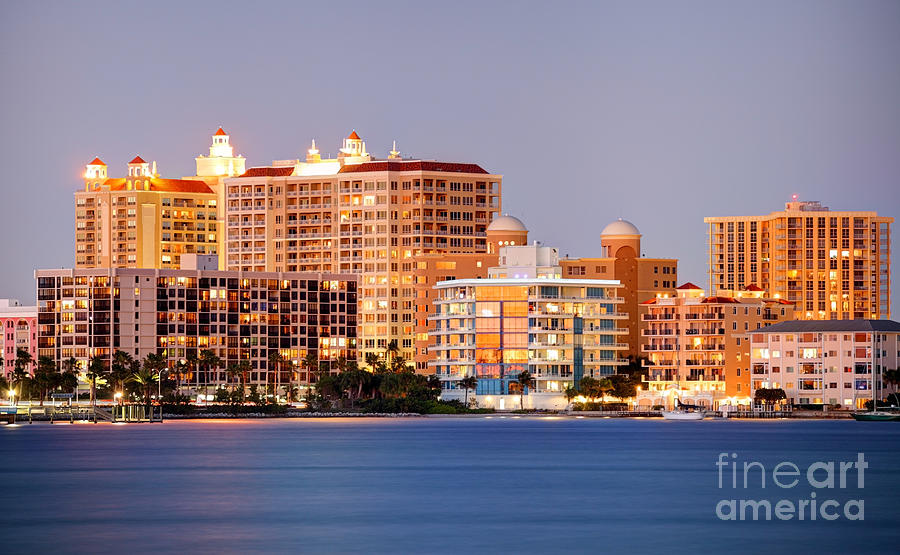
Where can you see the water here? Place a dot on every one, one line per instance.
(426, 485)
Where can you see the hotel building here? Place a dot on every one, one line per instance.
(144, 221)
(697, 348)
(835, 265)
(19, 326)
(524, 316)
(354, 214)
(621, 259)
(176, 313)
(429, 269)
(825, 362)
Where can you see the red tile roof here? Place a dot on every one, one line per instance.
(413, 166)
(96, 162)
(753, 287)
(137, 160)
(688, 285)
(269, 171)
(651, 301)
(353, 135)
(720, 300)
(161, 185)
(220, 131)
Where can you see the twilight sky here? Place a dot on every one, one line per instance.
(658, 112)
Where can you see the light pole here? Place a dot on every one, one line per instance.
(12, 397)
(159, 379)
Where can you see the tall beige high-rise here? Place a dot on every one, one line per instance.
(355, 214)
(831, 264)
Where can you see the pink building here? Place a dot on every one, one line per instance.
(19, 324)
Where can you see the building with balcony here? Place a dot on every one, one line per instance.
(356, 214)
(494, 328)
(621, 259)
(834, 265)
(697, 348)
(19, 326)
(429, 269)
(239, 316)
(825, 362)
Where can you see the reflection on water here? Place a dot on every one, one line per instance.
(424, 485)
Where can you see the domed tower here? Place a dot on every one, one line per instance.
(621, 239)
(506, 231)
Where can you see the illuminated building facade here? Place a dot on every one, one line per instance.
(354, 214)
(829, 362)
(19, 327)
(835, 265)
(176, 313)
(621, 259)
(494, 328)
(697, 348)
(431, 268)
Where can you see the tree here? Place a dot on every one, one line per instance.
(24, 361)
(467, 383)
(604, 386)
(121, 369)
(209, 361)
(766, 396)
(374, 362)
(589, 387)
(524, 379)
(96, 370)
(45, 376)
(571, 393)
(392, 350)
(145, 377)
(311, 365)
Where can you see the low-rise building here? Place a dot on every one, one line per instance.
(825, 362)
(697, 348)
(239, 316)
(19, 326)
(559, 330)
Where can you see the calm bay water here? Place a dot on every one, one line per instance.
(428, 485)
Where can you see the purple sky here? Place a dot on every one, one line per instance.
(661, 113)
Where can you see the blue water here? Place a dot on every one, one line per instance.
(428, 485)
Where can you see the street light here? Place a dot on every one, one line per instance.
(12, 397)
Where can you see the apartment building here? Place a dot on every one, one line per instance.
(240, 316)
(431, 268)
(355, 214)
(557, 329)
(19, 326)
(697, 348)
(830, 362)
(142, 220)
(835, 265)
(621, 259)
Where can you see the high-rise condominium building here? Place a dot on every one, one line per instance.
(826, 362)
(18, 324)
(429, 269)
(144, 221)
(833, 265)
(355, 214)
(84, 313)
(621, 259)
(697, 348)
(524, 316)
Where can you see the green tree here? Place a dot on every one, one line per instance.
(604, 386)
(589, 387)
(97, 370)
(391, 351)
(374, 362)
(525, 380)
(45, 376)
(145, 378)
(571, 393)
(468, 383)
(311, 365)
(121, 369)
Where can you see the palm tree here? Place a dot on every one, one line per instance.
(311, 364)
(392, 350)
(96, 370)
(467, 383)
(604, 386)
(276, 361)
(190, 363)
(121, 368)
(208, 361)
(525, 379)
(571, 393)
(145, 377)
(373, 361)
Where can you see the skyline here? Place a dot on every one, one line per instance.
(672, 123)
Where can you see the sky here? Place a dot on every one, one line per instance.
(657, 112)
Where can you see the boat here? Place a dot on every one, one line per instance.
(684, 412)
(876, 416)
